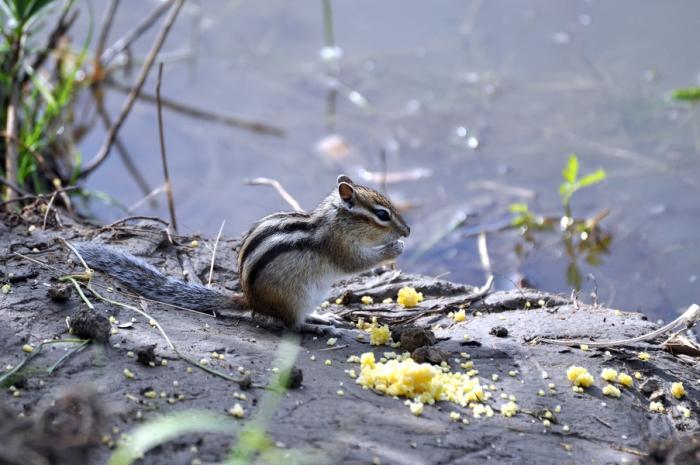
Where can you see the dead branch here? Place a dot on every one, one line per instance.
(163, 155)
(213, 253)
(205, 115)
(133, 94)
(279, 188)
(130, 37)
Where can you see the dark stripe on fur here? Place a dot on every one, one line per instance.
(259, 236)
(281, 248)
(147, 281)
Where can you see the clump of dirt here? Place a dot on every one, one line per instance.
(91, 325)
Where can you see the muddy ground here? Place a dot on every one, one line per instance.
(360, 427)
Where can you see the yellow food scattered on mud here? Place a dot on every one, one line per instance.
(420, 382)
(367, 300)
(584, 347)
(128, 373)
(459, 316)
(643, 356)
(656, 407)
(408, 297)
(455, 416)
(27, 348)
(609, 374)
(637, 375)
(580, 377)
(331, 341)
(236, 411)
(611, 391)
(416, 408)
(388, 300)
(685, 411)
(625, 379)
(677, 390)
(509, 409)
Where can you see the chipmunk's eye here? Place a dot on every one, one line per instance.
(382, 214)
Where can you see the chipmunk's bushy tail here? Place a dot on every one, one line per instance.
(147, 281)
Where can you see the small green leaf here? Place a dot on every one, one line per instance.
(570, 172)
(593, 178)
(518, 207)
(689, 94)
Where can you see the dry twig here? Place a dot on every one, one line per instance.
(213, 253)
(163, 155)
(133, 94)
(279, 188)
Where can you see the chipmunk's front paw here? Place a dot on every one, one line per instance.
(319, 330)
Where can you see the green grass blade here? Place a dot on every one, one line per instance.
(570, 172)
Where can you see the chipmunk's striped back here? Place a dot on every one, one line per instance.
(288, 261)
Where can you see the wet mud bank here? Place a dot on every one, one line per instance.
(72, 401)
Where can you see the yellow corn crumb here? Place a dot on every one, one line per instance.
(540, 393)
(677, 390)
(552, 386)
(194, 244)
(388, 300)
(459, 316)
(28, 348)
(609, 374)
(325, 304)
(566, 428)
(580, 377)
(494, 377)
(408, 297)
(557, 409)
(338, 301)
(367, 300)
(656, 407)
(546, 423)
(625, 379)
(340, 393)
(328, 362)
(545, 375)
(379, 335)
(509, 409)
(584, 347)
(351, 373)
(331, 341)
(617, 313)
(548, 414)
(150, 394)
(637, 375)
(611, 391)
(353, 359)
(421, 382)
(5, 289)
(481, 409)
(416, 408)
(685, 411)
(467, 365)
(152, 322)
(128, 373)
(643, 356)
(236, 411)
(513, 373)
(455, 416)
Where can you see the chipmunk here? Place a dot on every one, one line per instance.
(287, 261)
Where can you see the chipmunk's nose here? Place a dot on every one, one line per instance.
(405, 230)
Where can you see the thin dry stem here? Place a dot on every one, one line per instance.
(163, 154)
(133, 94)
(279, 188)
(213, 253)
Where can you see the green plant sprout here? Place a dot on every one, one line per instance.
(687, 94)
(572, 183)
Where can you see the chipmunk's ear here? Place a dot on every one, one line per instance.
(343, 178)
(346, 191)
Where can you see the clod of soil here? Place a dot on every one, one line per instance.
(431, 355)
(680, 450)
(413, 337)
(88, 324)
(296, 377)
(146, 355)
(499, 331)
(59, 292)
(245, 383)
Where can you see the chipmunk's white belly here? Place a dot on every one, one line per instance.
(317, 292)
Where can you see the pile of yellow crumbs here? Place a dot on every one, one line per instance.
(408, 297)
(579, 377)
(379, 335)
(422, 383)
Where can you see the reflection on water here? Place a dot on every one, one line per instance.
(484, 100)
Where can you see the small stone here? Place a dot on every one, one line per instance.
(499, 331)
